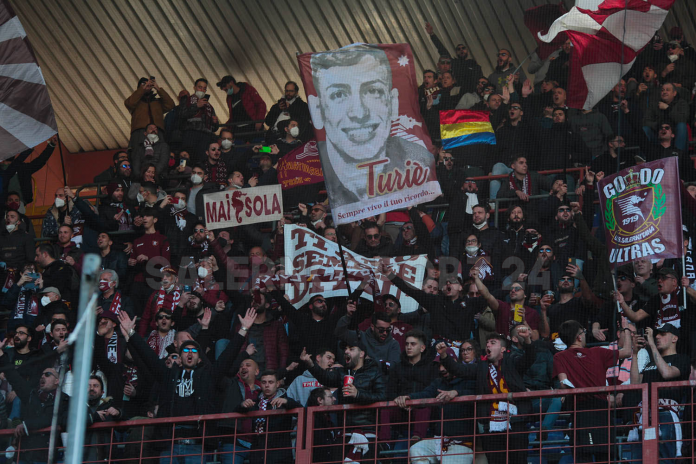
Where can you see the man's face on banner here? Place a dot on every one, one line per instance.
(357, 105)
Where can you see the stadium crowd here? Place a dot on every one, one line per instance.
(183, 330)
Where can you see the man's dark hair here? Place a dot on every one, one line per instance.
(30, 329)
(516, 157)
(297, 87)
(149, 212)
(98, 379)
(568, 331)
(517, 205)
(430, 71)
(226, 129)
(47, 248)
(322, 351)
(272, 372)
(26, 265)
(506, 50)
(200, 79)
(496, 336)
(163, 310)
(371, 225)
(417, 333)
(62, 311)
(151, 187)
(117, 155)
(59, 322)
(475, 234)
(380, 317)
(199, 166)
(327, 60)
(315, 394)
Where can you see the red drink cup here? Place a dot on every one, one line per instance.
(348, 380)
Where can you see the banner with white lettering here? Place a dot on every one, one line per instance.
(231, 208)
(374, 147)
(313, 266)
(641, 211)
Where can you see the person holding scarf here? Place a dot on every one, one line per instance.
(163, 336)
(522, 182)
(500, 371)
(178, 223)
(111, 299)
(115, 213)
(167, 297)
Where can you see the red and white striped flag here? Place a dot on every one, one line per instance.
(26, 113)
(596, 28)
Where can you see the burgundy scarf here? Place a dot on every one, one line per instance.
(526, 183)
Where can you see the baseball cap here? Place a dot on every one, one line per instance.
(224, 81)
(626, 270)
(668, 271)
(353, 339)
(169, 269)
(51, 290)
(667, 327)
(109, 315)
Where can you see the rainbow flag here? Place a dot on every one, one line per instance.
(465, 127)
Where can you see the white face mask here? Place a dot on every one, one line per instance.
(200, 94)
(181, 204)
(202, 272)
(153, 138)
(485, 96)
(472, 250)
(140, 198)
(59, 202)
(673, 58)
(10, 227)
(196, 179)
(226, 144)
(295, 131)
(45, 300)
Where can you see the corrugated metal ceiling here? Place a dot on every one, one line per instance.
(92, 52)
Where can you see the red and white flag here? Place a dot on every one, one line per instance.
(596, 29)
(26, 113)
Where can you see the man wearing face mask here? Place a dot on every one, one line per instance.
(199, 120)
(145, 108)
(290, 106)
(112, 299)
(199, 187)
(197, 245)
(178, 223)
(62, 212)
(16, 245)
(288, 139)
(14, 203)
(152, 150)
(167, 297)
(56, 273)
(244, 104)
(679, 69)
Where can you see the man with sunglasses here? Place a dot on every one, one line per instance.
(415, 237)
(671, 108)
(391, 306)
(464, 68)
(113, 171)
(163, 336)
(166, 297)
(37, 408)
(679, 69)
(568, 306)
(373, 243)
(313, 217)
(505, 67)
(214, 168)
(564, 235)
(602, 321)
(189, 389)
(378, 340)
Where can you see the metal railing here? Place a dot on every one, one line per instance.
(329, 428)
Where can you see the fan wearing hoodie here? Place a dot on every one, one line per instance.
(378, 340)
(271, 397)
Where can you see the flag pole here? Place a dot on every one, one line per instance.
(62, 162)
(343, 263)
(684, 274)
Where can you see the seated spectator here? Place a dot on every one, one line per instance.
(151, 150)
(301, 388)
(62, 212)
(146, 108)
(271, 397)
(198, 120)
(252, 107)
(111, 298)
(112, 258)
(112, 172)
(291, 106)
